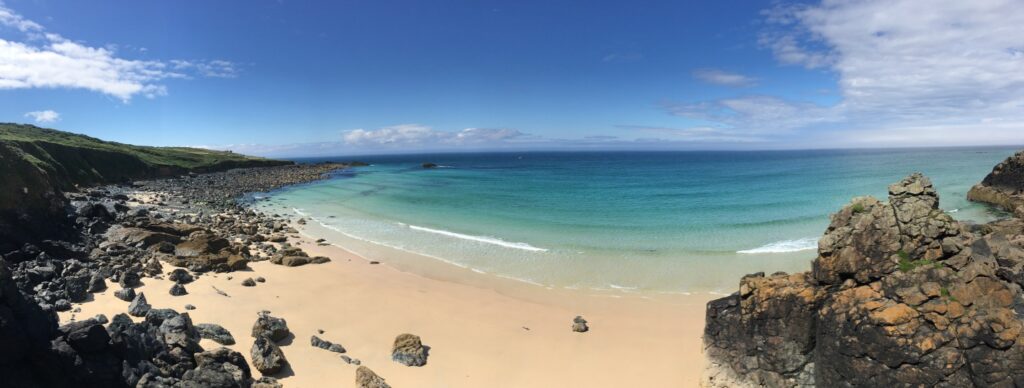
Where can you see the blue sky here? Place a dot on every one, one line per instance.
(312, 78)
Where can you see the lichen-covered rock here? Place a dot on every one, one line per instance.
(365, 378)
(900, 295)
(408, 350)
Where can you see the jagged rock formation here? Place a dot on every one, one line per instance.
(899, 295)
(1004, 186)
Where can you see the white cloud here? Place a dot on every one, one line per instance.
(48, 60)
(721, 77)
(420, 135)
(917, 68)
(44, 116)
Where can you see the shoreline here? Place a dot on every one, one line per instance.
(483, 330)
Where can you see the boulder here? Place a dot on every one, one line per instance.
(220, 367)
(139, 307)
(178, 290)
(266, 356)
(125, 294)
(409, 351)
(216, 333)
(180, 276)
(274, 328)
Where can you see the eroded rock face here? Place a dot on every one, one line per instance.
(900, 295)
(1004, 186)
(267, 356)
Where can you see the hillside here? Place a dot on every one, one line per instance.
(37, 165)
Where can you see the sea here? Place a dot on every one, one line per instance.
(662, 222)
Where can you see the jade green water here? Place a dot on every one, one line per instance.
(645, 221)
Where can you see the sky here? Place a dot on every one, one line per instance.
(302, 78)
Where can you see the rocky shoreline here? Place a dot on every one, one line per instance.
(122, 235)
(900, 294)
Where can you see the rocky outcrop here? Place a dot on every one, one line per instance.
(899, 295)
(1004, 186)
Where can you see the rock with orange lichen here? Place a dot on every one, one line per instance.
(899, 295)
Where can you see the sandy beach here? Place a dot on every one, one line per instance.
(482, 330)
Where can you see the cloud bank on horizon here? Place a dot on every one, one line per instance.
(904, 72)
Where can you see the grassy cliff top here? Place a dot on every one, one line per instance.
(182, 157)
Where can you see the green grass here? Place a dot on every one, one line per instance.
(182, 157)
(907, 265)
(858, 208)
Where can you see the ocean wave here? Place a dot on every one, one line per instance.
(803, 244)
(482, 239)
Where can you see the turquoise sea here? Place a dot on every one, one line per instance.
(643, 221)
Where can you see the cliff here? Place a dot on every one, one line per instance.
(900, 294)
(1004, 186)
(37, 165)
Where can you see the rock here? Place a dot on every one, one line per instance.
(216, 333)
(190, 307)
(86, 336)
(1004, 186)
(275, 329)
(178, 290)
(266, 382)
(266, 356)
(248, 282)
(139, 307)
(350, 360)
(125, 294)
(97, 283)
(409, 351)
(579, 325)
(180, 276)
(201, 243)
(77, 287)
(139, 237)
(899, 295)
(294, 261)
(428, 165)
(129, 280)
(261, 280)
(220, 367)
(326, 345)
(365, 378)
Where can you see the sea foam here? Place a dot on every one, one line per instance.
(482, 239)
(803, 244)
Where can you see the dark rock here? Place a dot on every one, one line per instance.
(178, 290)
(97, 283)
(139, 307)
(428, 165)
(248, 282)
(129, 280)
(326, 345)
(125, 294)
(220, 367)
(261, 280)
(266, 356)
(266, 382)
(180, 276)
(190, 307)
(409, 351)
(215, 332)
(274, 328)
(77, 287)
